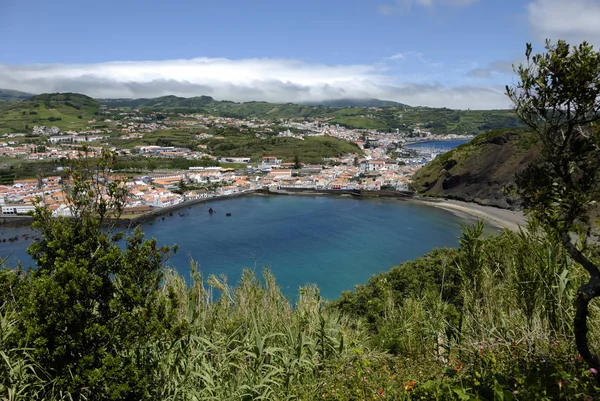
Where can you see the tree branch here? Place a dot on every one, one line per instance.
(579, 257)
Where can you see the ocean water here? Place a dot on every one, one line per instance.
(441, 145)
(332, 241)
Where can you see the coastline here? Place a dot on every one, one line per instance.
(501, 218)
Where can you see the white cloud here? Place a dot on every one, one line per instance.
(398, 56)
(494, 68)
(405, 55)
(274, 80)
(572, 20)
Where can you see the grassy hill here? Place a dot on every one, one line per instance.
(166, 103)
(478, 171)
(9, 95)
(71, 111)
(351, 113)
(68, 111)
(369, 102)
(309, 150)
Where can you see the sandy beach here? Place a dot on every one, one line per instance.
(498, 217)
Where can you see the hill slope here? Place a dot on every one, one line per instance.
(368, 102)
(166, 103)
(478, 171)
(68, 111)
(351, 113)
(9, 95)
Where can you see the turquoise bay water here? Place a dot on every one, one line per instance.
(334, 242)
(441, 145)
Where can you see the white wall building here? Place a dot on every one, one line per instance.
(15, 209)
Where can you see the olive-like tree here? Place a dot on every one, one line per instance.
(558, 96)
(91, 310)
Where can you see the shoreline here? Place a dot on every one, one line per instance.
(500, 218)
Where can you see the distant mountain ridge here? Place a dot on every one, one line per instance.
(9, 95)
(350, 102)
(172, 101)
(379, 115)
(163, 102)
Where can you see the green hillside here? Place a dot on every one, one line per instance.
(357, 103)
(71, 111)
(164, 103)
(309, 150)
(479, 170)
(9, 95)
(387, 116)
(68, 111)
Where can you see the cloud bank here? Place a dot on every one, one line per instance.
(572, 20)
(273, 80)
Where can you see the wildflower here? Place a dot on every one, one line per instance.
(380, 392)
(594, 371)
(408, 386)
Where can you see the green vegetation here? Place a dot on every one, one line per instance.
(437, 121)
(144, 164)
(234, 142)
(357, 103)
(7, 179)
(71, 111)
(388, 116)
(183, 138)
(558, 96)
(309, 150)
(481, 170)
(165, 103)
(68, 111)
(8, 95)
(492, 320)
(23, 169)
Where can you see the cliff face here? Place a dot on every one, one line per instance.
(478, 171)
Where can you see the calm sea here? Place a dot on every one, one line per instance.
(442, 145)
(334, 242)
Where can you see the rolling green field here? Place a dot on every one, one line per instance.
(67, 111)
(71, 111)
(234, 143)
(404, 118)
(179, 138)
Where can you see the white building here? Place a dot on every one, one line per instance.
(15, 209)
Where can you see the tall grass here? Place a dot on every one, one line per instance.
(504, 332)
(250, 343)
(510, 332)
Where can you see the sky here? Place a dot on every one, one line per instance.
(438, 53)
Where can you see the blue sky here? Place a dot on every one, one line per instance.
(453, 53)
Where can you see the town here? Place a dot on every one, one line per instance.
(381, 160)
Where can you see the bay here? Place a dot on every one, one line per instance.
(439, 145)
(334, 242)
